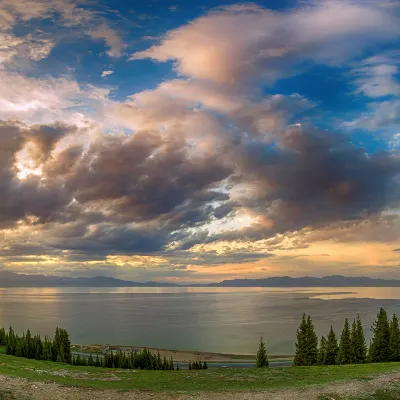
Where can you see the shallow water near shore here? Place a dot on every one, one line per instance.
(226, 320)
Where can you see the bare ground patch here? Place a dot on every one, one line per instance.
(23, 388)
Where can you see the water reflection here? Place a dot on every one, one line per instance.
(209, 319)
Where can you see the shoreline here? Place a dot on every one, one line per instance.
(178, 355)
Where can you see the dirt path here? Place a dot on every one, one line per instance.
(23, 388)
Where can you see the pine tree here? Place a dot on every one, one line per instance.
(331, 348)
(360, 348)
(394, 339)
(299, 358)
(165, 363)
(205, 366)
(3, 337)
(379, 348)
(306, 343)
(353, 343)
(262, 358)
(78, 360)
(60, 356)
(97, 362)
(344, 354)
(90, 361)
(159, 361)
(322, 351)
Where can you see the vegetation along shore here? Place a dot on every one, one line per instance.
(327, 361)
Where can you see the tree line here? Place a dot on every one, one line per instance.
(351, 347)
(59, 350)
(28, 346)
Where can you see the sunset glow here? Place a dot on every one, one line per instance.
(222, 141)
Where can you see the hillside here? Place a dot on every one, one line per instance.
(29, 379)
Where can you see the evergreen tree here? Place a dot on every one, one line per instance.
(205, 366)
(38, 345)
(159, 361)
(11, 342)
(379, 348)
(262, 358)
(3, 337)
(190, 365)
(331, 348)
(359, 347)
(306, 343)
(90, 361)
(322, 351)
(344, 353)
(47, 346)
(97, 362)
(78, 360)
(60, 356)
(299, 358)
(394, 339)
(353, 342)
(165, 363)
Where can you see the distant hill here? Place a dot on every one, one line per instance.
(11, 279)
(307, 281)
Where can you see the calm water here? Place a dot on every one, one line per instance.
(205, 319)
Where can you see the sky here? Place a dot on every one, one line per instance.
(182, 141)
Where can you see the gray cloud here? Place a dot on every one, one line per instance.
(31, 196)
(314, 178)
(139, 194)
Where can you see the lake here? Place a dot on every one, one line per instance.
(227, 320)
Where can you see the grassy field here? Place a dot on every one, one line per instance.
(188, 381)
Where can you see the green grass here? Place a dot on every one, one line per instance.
(188, 381)
(381, 394)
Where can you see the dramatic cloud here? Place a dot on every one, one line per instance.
(208, 171)
(33, 198)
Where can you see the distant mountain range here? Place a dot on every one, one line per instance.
(10, 279)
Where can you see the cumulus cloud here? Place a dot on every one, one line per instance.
(248, 42)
